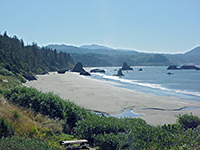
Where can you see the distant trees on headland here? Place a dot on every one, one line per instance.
(18, 58)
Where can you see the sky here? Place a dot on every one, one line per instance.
(161, 26)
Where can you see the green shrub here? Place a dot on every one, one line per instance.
(112, 141)
(19, 143)
(20, 77)
(188, 121)
(6, 129)
(5, 72)
(94, 125)
(47, 104)
(16, 115)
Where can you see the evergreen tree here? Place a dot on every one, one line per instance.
(18, 58)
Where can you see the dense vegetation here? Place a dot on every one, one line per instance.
(47, 104)
(101, 60)
(6, 129)
(20, 143)
(104, 56)
(18, 58)
(109, 132)
(111, 57)
(31, 130)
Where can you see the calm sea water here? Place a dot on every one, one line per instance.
(184, 84)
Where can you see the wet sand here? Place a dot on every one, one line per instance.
(103, 96)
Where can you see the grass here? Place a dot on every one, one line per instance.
(29, 124)
(7, 82)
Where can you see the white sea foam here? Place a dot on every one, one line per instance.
(150, 85)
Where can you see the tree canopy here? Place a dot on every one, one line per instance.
(16, 57)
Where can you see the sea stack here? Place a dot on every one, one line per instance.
(126, 66)
(119, 73)
(78, 68)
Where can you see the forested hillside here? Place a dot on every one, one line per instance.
(191, 57)
(102, 56)
(102, 60)
(18, 58)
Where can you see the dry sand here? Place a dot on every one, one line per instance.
(102, 96)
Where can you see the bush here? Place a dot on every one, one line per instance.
(29, 77)
(94, 126)
(5, 72)
(112, 141)
(19, 143)
(16, 115)
(47, 104)
(188, 121)
(6, 129)
(20, 77)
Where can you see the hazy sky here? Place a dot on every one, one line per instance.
(170, 26)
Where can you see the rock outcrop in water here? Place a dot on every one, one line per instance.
(78, 68)
(119, 73)
(189, 67)
(173, 67)
(97, 70)
(85, 73)
(126, 67)
(140, 69)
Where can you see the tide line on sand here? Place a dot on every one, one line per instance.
(98, 95)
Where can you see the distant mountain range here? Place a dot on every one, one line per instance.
(99, 55)
(95, 46)
(85, 49)
(191, 57)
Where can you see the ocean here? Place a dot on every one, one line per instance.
(184, 84)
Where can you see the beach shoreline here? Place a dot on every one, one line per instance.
(102, 96)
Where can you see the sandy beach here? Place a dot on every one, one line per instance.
(102, 96)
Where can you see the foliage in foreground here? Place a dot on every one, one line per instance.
(109, 132)
(6, 128)
(112, 133)
(20, 143)
(188, 121)
(47, 104)
(27, 124)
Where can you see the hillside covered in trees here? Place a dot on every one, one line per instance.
(101, 56)
(18, 58)
(97, 55)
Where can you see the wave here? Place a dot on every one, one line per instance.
(149, 85)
